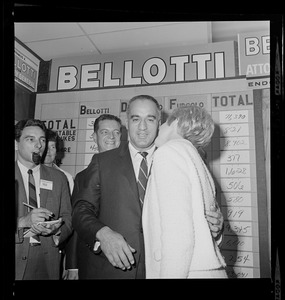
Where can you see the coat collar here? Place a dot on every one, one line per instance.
(127, 168)
(44, 174)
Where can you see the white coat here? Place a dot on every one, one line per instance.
(178, 241)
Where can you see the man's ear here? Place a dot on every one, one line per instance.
(16, 145)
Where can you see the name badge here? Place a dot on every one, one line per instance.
(46, 184)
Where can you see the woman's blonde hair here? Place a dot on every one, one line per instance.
(194, 124)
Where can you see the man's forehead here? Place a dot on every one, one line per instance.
(145, 107)
(33, 130)
(106, 124)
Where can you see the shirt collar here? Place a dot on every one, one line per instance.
(134, 151)
(24, 169)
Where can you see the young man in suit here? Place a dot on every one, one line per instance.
(107, 211)
(107, 132)
(42, 196)
(107, 135)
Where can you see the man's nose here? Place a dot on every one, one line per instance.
(39, 145)
(142, 125)
(111, 135)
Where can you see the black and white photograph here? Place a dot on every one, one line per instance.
(145, 148)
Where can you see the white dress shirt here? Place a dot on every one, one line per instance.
(25, 176)
(137, 158)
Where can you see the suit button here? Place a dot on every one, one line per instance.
(24, 257)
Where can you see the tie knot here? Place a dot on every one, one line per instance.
(143, 154)
(30, 171)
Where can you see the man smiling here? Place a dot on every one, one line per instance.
(107, 210)
(107, 132)
(107, 135)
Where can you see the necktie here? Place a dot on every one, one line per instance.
(32, 195)
(143, 177)
(32, 190)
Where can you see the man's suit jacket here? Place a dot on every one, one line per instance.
(56, 200)
(108, 197)
(71, 246)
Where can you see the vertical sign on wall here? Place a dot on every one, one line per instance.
(254, 58)
(235, 174)
(232, 159)
(26, 67)
(88, 112)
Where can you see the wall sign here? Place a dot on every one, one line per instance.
(254, 58)
(26, 67)
(156, 66)
(232, 156)
(254, 53)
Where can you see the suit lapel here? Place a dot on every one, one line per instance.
(44, 174)
(21, 195)
(128, 169)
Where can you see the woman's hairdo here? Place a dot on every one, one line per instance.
(194, 124)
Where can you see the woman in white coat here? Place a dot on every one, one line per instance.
(178, 241)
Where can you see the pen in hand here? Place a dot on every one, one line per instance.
(28, 205)
(32, 207)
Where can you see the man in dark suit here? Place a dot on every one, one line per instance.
(107, 135)
(37, 245)
(107, 210)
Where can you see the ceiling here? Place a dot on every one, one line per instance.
(56, 40)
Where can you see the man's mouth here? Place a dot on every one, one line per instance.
(110, 142)
(142, 135)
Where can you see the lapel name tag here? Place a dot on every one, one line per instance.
(46, 184)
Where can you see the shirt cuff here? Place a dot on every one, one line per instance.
(219, 240)
(97, 248)
(56, 238)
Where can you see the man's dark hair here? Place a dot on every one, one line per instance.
(25, 123)
(144, 97)
(106, 117)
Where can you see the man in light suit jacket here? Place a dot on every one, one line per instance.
(37, 245)
(107, 213)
